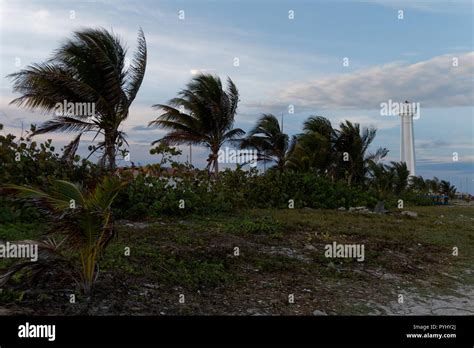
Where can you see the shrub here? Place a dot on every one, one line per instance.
(27, 162)
(149, 196)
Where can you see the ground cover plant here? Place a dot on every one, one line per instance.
(281, 252)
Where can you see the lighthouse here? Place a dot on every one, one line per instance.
(407, 137)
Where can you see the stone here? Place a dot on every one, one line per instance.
(410, 213)
(380, 208)
(318, 312)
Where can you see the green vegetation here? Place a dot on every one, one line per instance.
(196, 257)
(84, 218)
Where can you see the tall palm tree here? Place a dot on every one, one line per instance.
(353, 143)
(89, 68)
(202, 114)
(269, 140)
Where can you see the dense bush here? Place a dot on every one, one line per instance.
(27, 162)
(276, 189)
(149, 196)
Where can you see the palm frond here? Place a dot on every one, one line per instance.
(70, 149)
(65, 124)
(136, 72)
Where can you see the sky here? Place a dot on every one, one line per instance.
(333, 58)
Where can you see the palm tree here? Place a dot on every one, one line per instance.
(83, 216)
(448, 189)
(314, 148)
(418, 184)
(351, 146)
(401, 176)
(381, 179)
(202, 114)
(89, 68)
(337, 153)
(433, 185)
(269, 140)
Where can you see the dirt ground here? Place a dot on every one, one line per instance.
(191, 266)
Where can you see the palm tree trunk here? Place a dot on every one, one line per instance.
(216, 165)
(110, 152)
(281, 164)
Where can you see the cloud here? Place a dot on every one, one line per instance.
(141, 128)
(368, 121)
(432, 83)
(434, 6)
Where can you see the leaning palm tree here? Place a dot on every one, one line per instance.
(313, 150)
(434, 185)
(351, 146)
(448, 189)
(401, 176)
(381, 178)
(269, 140)
(202, 114)
(83, 216)
(89, 68)
(418, 184)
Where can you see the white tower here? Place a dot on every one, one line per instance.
(407, 137)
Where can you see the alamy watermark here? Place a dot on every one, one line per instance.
(391, 108)
(74, 109)
(238, 156)
(336, 250)
(14, 250)
(28, 330)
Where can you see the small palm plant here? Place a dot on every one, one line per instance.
(83, 216)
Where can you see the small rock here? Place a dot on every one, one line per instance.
(318, 312)
(359, 209)
(309, 247)
(410, 213)
(151, 286)
(380, 208)
(341, 209)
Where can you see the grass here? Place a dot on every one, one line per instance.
(280, 252)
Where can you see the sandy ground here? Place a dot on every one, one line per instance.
(459, 302)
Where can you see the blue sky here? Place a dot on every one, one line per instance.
(282, 62)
